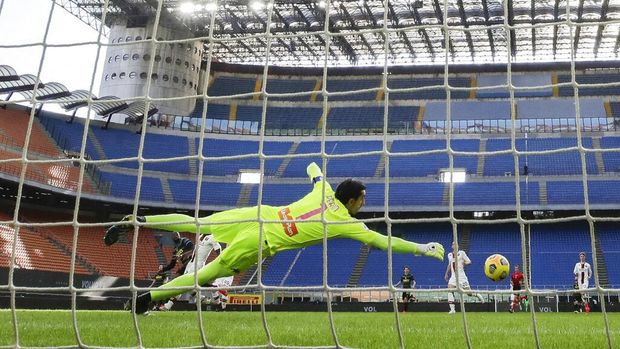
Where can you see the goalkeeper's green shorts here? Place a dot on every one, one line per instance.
(242, 238)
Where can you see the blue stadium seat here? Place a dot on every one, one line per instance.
(563, 163)
(282, 85)
(278, 268)
(609, 238)
(429, 165)
(555, 250)
(67, 136)
(124, 186)
(371, 117)
(118, 144)
(427, 272)
(435, 88)
(342, 85)
(211, 193)
(360, 166)
(341, 257)
(231, 85)
(223, 147)
(603, 78)
(499, 194)
(611, 160)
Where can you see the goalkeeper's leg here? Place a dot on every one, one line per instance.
(241, 220)
(239, 256)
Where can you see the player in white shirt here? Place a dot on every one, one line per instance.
(450, 276)
(206, 245)
(583, 273)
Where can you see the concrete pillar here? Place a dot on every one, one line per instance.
(176, 67)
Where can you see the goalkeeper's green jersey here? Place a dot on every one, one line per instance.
(282, 235)
(289, 235)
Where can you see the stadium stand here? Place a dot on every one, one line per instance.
(279, 266)
(61, 175)
(214, 110)
(116, 259)
(219, 194)
(429, 164)
(606, 78)
(611, 160)
(363, 166)
(553, 259)
(13, 129)
(561, 163)
(225, 85)
(498, 194)
(426, 272)
(571, 192)
(292, 85)
(124, 186)
(33, 251)
(370, 117)
(223, 147)
(430, 88)
(308, 267)
(348, 85)
(486, 240)
(609, 239)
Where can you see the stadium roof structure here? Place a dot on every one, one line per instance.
(479, 31)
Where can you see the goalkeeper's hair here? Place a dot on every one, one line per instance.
(349, 189)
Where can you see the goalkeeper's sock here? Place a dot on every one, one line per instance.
(451, 301)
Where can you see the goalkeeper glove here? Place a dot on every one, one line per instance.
(117, 231)
(432, 249)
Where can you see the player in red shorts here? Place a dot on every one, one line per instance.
(516, 279)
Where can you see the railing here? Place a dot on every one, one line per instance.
(476, 126)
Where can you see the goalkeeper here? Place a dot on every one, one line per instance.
(239, 229)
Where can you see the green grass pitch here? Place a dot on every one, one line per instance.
(45, 328)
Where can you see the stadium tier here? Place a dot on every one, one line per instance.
(306, 268)
(429, 164)
(413, 174)
(609, 239)
(566, 162)
(608, 84)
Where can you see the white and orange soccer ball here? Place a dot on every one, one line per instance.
(496, 267)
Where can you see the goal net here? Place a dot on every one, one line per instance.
(487, 123)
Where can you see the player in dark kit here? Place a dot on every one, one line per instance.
(407, 281)
(516, 279)
(183, 250)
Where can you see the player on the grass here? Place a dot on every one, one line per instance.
(198, 259)
(450, 275)
(583, 273)
(240, 230)
(183, 250)
(516, 279)
(407, 281)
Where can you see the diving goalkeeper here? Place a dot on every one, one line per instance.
(239, 229)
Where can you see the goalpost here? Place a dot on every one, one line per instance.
(386, 61)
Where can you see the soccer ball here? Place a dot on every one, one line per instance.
(496, 267)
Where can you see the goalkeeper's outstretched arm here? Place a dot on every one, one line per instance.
(359, 232)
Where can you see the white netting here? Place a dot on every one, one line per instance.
(25, 161)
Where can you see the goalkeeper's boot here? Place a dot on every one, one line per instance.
(118, 231)
(143, 303)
